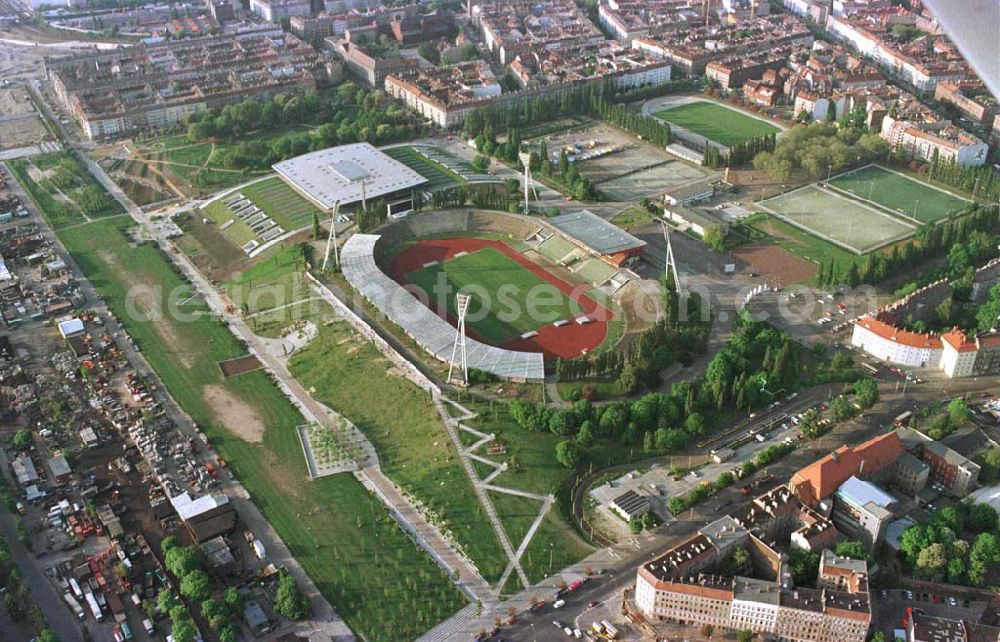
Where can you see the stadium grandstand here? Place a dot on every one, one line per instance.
(592, 233)
(429, 330)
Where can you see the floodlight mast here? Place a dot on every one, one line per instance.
(671, 264)
(462, 307)
(331, 240)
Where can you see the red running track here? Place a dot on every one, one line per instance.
(567, 341)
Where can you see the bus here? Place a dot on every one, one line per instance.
(868, 368)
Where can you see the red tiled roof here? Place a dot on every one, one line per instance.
(957, 340)
(904, 337)
(820, 479)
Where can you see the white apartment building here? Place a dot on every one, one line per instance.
(888, 343)
(278, 10)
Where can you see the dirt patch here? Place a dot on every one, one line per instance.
(239, 365)
(22, 132)
(236, 416)
(778, 266)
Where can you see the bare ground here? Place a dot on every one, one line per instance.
(238, 418)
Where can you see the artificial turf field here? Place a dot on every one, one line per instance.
(715, 122)
(838, 219)
(494, 278)
(900, 193)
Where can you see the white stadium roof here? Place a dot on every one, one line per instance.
(338, 173)
(434, 334)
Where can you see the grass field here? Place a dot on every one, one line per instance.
(279, 201)
(715, 122)
(493, 278)
(63, 189)
(536, 471)
(438, 175)
(275, 198)
(838, 219)
(379, 581)
(274, 294)
(349, 374)
(901, 193)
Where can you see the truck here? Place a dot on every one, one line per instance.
(74, 606)
(258, 549)
(609, 630)
(902, 420)
(95, 608)
(148, 625)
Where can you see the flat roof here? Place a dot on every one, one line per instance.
(593, 231)
(860, 493)
(338, 174)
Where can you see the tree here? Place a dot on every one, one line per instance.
(841, 409)
(233, 599)
(931, 562)
(715, 237)
(853, 549)
(737, 562)
(481, 163)
(568, 453)
(866, 392)
(981, 518)
(744, 636)
(47, 635)
(804, 566)
(983, 556)
(290, 602)
(182, 631)
(958, 413)
(878, 636)
(196, 586)
(707, 630)
(181, 560)
(635, 525)
(216, 613)
(316, 225)
(22, 439)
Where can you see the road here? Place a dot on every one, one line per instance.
(59, 619)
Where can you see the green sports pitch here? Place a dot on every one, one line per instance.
(715, 122)
(900, 194)
(490, 276)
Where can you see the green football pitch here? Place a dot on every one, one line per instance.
(507, 298)
(900, 193)
(715, 122)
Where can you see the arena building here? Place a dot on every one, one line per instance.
(348, 174)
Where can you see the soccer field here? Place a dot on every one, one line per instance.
(518, 300)
(715, 122)
(838, 219)
(900, 193)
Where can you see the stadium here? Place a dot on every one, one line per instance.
(540, 289)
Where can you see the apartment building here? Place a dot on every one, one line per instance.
(872, 460)
(922, 63)
(926, 628)
(971, 98)
(278, 10)
(767, 607)
(369, 69)
(954, 352)
(155, 86)
(862, 511)
(950, 469)
(925, 140)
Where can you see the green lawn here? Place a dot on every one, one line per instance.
(275, 198)
(349, 374)
(81, 195)
(901, 193)
(633, 217)
(275, 295)
(282, 203)
(484, 272)
(379, 581)
(715, 122)
(534, 469)
(437, 174)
